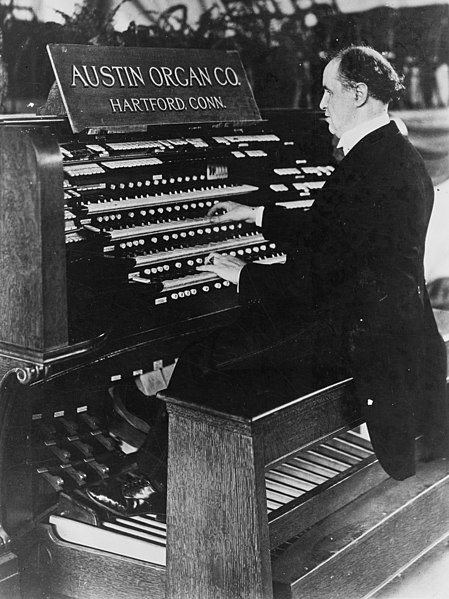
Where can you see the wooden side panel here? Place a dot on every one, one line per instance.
(81, 573)
(33, 320)
(217, 520)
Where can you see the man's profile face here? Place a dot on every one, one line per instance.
(338, 102)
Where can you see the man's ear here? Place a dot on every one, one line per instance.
(361, 93)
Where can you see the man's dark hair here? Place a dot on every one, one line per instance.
(362, 64)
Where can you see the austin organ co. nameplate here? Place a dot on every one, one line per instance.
(116, 87)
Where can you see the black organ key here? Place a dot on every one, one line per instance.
(55, 481)
(61, 453)
(99, 468)
(83, 448)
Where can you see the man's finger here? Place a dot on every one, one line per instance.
(218, 207)
(210, 259)
(207, 268)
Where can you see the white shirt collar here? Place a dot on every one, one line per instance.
(352, 137)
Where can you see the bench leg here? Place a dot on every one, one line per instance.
(218, 545)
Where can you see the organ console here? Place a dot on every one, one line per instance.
(101, 234)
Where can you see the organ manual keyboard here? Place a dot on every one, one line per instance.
(103, 223)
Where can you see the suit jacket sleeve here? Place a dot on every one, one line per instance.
(276, 284)
(270, 285)
(285, 225)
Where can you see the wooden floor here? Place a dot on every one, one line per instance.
(427, 578)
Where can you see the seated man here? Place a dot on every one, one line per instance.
(354, 274)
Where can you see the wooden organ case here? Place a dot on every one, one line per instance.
(101, 233)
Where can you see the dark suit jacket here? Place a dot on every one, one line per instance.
(359, 250)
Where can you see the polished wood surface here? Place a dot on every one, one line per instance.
(33, 321)
(358, 548)
(86, 573)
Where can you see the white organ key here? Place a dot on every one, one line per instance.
(207, 277)
(296, 204)
(218, 246)
(201, 277)
(287, 171)
(131, 163)
(315, 184)
(280, 259)
(139, 230)
(165, 198)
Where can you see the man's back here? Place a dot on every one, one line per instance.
(381, 199)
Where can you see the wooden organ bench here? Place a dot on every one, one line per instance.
(287, 502)
(344, 537)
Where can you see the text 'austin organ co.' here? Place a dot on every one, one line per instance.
(92, 76)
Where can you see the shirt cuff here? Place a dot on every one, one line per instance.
(258, 220)
(259, 215)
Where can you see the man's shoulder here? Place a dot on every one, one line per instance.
(387, 149)
(385, 162)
